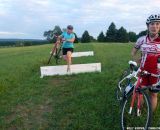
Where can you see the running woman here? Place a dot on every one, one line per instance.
(149, 46)
(68, 38)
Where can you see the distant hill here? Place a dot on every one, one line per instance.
(22, 42)
(12, 39)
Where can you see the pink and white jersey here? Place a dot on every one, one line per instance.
(147, 46)
(150, 51)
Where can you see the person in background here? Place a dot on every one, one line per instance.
(68, 38)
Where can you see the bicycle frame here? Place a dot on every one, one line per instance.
(139, 96)
(132, 75)
(54, 49)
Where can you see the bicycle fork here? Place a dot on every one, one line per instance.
(137, 95)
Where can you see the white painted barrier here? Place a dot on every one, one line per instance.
(80, 54)
(75, 69)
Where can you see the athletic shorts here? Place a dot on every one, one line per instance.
(149, 80)
(151, 67)
(65, 50)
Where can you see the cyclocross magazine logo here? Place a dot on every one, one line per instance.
(142, 128)
(151, 48)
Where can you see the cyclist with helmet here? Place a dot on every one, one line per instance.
(68, 38)
(149, 46)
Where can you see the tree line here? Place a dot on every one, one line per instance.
(117, 35)
(112, 35)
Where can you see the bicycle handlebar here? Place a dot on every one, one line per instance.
(134, 67)
(135, 71)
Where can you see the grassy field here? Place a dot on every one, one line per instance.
(77, 102)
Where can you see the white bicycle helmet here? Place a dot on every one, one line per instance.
(153, 18)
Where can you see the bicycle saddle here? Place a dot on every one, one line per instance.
(132, 63)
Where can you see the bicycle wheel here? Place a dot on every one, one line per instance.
(132, 121)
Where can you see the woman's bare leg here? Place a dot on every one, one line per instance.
(153, 97)
(69, 60)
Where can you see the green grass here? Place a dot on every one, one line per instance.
(77, 102)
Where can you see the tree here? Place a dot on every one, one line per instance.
(27, 43)
(57, 30)
(111, 33)
(142, 33)
(122, 35)
(50, 35)
(132, 36)
(101, 37)
(85, 37)
(92, 39)
(76, 38)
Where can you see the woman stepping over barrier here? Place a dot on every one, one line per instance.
(68, 38)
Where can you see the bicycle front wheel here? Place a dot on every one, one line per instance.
(130, 119)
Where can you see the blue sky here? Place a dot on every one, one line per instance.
(30, 18)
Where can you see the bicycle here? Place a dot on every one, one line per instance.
(56, 52)
(130, 92)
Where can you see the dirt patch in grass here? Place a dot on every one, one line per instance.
(28, 116)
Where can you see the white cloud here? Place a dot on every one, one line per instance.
(35, 16)
(11, 33)
(130, 14)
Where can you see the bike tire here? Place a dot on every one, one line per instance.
(131, 119)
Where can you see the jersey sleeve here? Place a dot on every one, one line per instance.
(73, 35)
(139, 42)
(62, 35)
